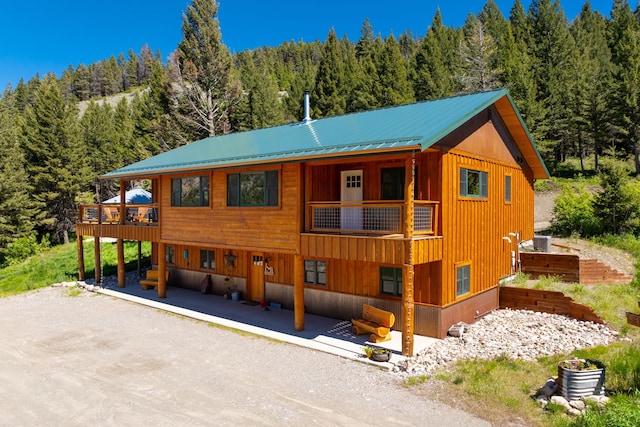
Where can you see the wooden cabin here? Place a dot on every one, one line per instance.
(416, 209)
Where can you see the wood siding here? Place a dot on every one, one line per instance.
(475, 230)
(252, 228)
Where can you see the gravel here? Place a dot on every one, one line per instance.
(515, 334)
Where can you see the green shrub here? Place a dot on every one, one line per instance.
(23, 248)
(617, 204)
(573, 212)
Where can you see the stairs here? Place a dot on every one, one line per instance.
(593, 271)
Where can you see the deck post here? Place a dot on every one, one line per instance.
(121, 274)
(162, 270)
(139, 259)
(408, 305)
(80, 245)
(97, 264)
(298, 292)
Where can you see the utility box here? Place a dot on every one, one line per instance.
(542, 243)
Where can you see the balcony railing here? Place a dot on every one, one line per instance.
(146, 214)
(377, 217)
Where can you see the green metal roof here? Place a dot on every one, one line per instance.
(400, 128)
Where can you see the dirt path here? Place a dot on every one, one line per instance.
(95, 360)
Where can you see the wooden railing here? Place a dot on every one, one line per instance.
(143, 214)
(378, 217)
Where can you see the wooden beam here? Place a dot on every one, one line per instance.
(162, 270)
(298, 292)
(121, 275)
(408, 310)
(139, 259)
(80, 245)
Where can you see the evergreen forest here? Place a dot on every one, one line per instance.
(576, 84)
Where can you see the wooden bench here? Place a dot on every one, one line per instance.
(152, 280)
(375, 321)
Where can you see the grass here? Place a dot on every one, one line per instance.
(60, 264)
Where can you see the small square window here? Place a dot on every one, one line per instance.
(315, 272)
(207, 259)
(463, 280)
(391, 281)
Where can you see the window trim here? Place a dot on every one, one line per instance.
(466, 285)
(177, 200)
(483, 183)
(271, 189)
(315, 271)
(397, 281)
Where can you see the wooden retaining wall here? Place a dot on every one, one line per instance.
(570, 268)
(545, 302)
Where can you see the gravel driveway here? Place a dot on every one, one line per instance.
(96, 360)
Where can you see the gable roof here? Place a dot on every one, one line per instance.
(409, 127)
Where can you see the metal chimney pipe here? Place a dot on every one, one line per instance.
(307, 116)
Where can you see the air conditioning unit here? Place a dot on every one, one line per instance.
(542, 243)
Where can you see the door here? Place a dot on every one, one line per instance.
(256, 277)
(351, 191)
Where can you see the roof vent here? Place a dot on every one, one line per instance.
(307, 116)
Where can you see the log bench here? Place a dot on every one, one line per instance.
(375, 321)
(152, 280)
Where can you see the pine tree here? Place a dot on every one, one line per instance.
(329, 97)
(589, 104)
(433, 64)
(394, 86)
(19, 213)
(55, 158)
(624, 36)
(203, 70)
(478, 52)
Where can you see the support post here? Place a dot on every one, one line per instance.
(408, 305)
(162, 270)
(80, 245)
(139, 259)
(298, 292)
(97, 263)
(121, 274)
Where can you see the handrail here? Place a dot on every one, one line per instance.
(370, 216)
(109, 213)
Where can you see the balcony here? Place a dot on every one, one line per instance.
(140, 222)
(371, 231)
(371, 217)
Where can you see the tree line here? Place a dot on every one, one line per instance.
(576, 84)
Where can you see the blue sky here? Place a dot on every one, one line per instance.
(44, 36)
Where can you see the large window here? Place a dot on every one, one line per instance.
(391, 281)
(252, 189)
(315, 272)
(473, 183)
(190, 191)
(207, 259)
(463, 280)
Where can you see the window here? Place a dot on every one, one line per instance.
(252, 189)
(463, 280)
(507, 188)
(473, 183)
(207, 259)
(190, 191)
(391, 281)
(170, 255)
(315, 272)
